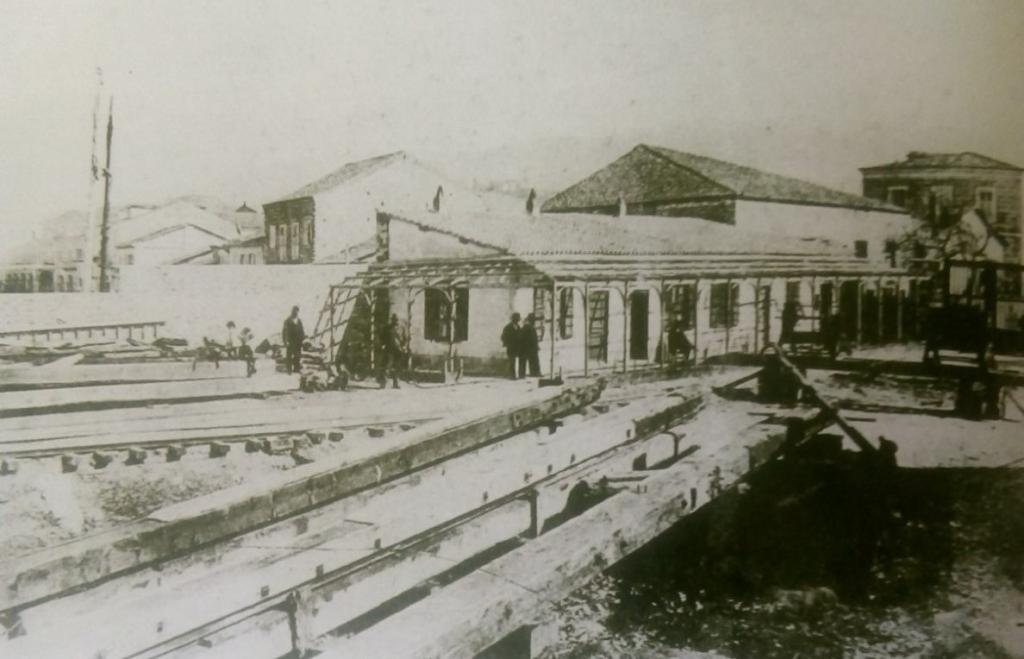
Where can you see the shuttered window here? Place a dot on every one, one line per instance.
(725, 308)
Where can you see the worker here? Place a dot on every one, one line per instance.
(245, 351)
(292, 335)
(529, 347)
(510, 339)
(230, 345)
(390, 353)
(791, 313)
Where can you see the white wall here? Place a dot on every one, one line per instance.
(841, 225)
(347, 214)
(194, 300)
(169, 247)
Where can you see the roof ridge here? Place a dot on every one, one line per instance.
(657, 151)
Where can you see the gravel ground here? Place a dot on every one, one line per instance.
(946, 578)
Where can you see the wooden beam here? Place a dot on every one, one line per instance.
(859, 439)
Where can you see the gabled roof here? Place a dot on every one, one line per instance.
(346, 173)
(656, 174)
(964, 160)
(172, 217)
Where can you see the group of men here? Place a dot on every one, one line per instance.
(522, 346)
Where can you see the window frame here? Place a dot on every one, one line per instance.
(890, 197)
(991, 208)
(566, 312)
(723, 305)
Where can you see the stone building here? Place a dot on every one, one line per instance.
(941, 188)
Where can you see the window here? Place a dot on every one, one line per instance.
(294, 241)
(793, 291)
(282, 242)
(892, 250)
(725, 306)
(860, 249)
(435, 315)
(566, 306)
(129, 258)
(898, 195)
(679, 306)
(985, 201)
(461, 314)
(308, 233)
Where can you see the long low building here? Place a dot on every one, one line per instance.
(612, 292)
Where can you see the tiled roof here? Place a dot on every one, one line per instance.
(589, 234)
(656, 174)
(346, 173)
(965, 160)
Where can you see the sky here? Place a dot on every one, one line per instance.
(246, 100)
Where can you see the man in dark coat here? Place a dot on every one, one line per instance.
(511, 341)
(791, 313)
(530, 348)
(292, 335)
(390, 353)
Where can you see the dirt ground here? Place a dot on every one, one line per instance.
(799, 569)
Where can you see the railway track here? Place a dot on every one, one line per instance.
(216, 443)
(357, 554)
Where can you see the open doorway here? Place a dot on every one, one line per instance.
(639, 335)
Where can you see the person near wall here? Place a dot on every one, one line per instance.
(390, 353)
(529, 348)
(510, 340)
(791, 313)
(292, 335)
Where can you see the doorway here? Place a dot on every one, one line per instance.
(597, 332)
(848, 309)
(639, 336)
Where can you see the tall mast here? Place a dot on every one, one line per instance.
(105, 223)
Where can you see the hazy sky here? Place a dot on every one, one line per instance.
(250, 99)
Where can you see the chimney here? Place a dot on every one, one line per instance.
(383, 236)
(531, 203)
(438, 198)
(622, 205)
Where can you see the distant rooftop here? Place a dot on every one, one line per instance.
(965, 160)
(346, 173)
(656, 174)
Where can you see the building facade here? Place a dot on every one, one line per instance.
(940, 188)
(651, 180)
(325, 220)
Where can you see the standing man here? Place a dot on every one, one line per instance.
(791, 313)
(292, 335)
(390, 353)
(529, 347)
(511, 340)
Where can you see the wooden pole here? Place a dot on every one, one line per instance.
(625, 326)
(105, 221)
(860, 312)
(696, 317)
(551, 325)
(586, 328)
(833, 412)
(880, 329)
(899, 310)
(661, 323)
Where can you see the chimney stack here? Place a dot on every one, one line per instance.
(531, 203)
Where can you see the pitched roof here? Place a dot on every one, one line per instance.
(965, 160)
(656, 174)
(346, 173)
(170, 217)
(589, 234)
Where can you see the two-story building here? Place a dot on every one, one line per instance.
(334, 216)
(942, 189)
